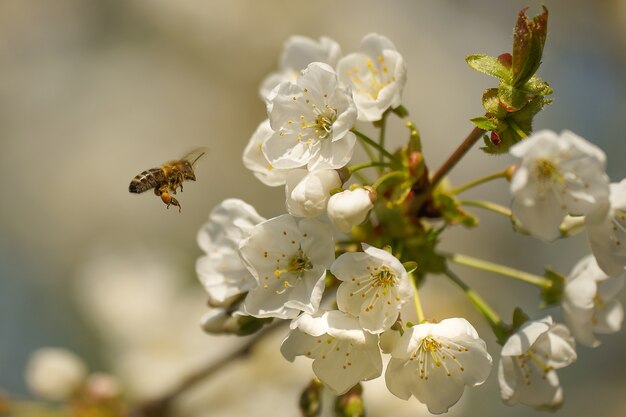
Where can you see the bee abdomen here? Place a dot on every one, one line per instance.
(146, 180)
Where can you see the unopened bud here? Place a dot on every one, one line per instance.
(350, 208)
(506, 59)
(311, 399)
(102, 387)
(55, 374)
(350, 404)
(495, 139)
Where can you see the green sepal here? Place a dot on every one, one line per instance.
(489, 65)
(451, 211)
(248, 325)
(410, 266)
(553, 295)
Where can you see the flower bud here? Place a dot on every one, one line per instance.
(311, 399)
(55, 374)
(349, 208)
(350, 404)
(308, 192)
(102, 387)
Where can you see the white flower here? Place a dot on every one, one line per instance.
(606, 230)
(308, 192)
(588, 302)
(526, 372)
(375, 285)
(376, 74)
(289, 261)
(435, 361)
(349, 208)
(311, 120)
(343, 354)
(298, 52)
(221, 271)
(559, 175)
(54, 373)
(255, 160)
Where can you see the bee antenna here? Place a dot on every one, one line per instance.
(195, 160)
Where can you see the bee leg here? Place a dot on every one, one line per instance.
(169, 200)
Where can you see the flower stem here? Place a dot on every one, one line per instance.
(487, 205)
(456, 156)
(381, 138)
(416, 298)
(517, 129)
(370, 164)
(373, 144)
(388, 176)
(481, 305)
(479, 181)
(501, 270)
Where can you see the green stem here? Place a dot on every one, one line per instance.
(416, 298)
(381, 138)
(480, 304)
(501, 270)
(370, 164)
(479, 181)
(388, 176)
(373, 144)
(487, 205)
(517, 129)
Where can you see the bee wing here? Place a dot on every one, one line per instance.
(195, 154)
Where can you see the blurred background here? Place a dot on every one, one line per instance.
(93, 92)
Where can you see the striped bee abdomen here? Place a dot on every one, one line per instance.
(146, 180)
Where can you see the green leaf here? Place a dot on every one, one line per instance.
(484, 123)
(529, 38)
(489, 65)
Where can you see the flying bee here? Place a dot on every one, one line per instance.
(167, 178)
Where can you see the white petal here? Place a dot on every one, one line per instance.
(525, 337)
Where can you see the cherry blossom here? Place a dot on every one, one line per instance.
(288, 259)
(311, 119)
(55, 374)
(255, 160)
(589, 303)
(606, 230)
(528, 363)
(435, 361)
(376, 75)
(298, 52)
(374, 288)
(343, 353)
(220, 270)
(559, 175)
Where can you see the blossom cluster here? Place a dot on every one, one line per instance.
(345, 296)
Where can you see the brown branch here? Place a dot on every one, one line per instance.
(161, 406)
(456, 156)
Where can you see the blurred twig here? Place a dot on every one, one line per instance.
(161, 406)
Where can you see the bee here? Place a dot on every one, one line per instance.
(167, 178)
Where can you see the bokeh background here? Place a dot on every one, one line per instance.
(94, 91)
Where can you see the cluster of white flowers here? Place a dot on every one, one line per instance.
(281, 264)
(281, 268)
(561, 182)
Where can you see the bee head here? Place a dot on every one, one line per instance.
(189, 174)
